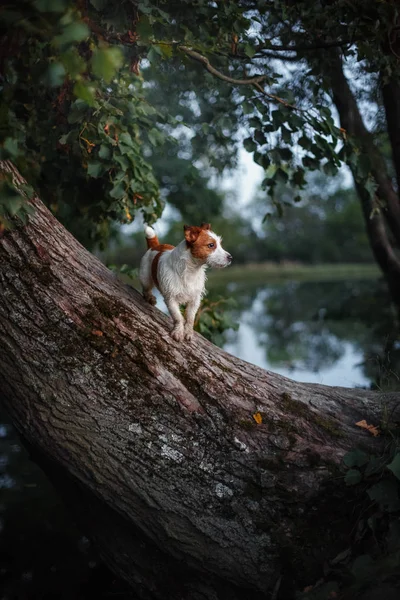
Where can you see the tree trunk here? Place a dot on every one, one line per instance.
(155, 445)
(351, 121)
(391, 103)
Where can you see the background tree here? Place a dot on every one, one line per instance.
(88, 130)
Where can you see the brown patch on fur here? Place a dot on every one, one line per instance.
(153, 242)
(154, 265)
(192, 232)
(199, 248)
(163, 247)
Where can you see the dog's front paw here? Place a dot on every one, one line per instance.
(150, 299)
(177, 334)
(188, 333)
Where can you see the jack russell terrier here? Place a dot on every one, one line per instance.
(179, 272)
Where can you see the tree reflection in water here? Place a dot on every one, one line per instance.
(308, 325)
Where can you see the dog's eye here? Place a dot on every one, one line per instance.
(211, 245)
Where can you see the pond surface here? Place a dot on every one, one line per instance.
(337, 333)
(331, 332)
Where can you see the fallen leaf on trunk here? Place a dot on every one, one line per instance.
(258, 418)
(373, 429)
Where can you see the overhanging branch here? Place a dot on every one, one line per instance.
(206, 63)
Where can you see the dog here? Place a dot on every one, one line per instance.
(180, 273)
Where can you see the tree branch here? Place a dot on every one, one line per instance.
(304, 47)
(206, 63)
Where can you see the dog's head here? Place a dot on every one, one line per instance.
(205, 246)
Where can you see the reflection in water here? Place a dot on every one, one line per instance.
(339, 333)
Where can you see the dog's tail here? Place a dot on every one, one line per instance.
(151, 238)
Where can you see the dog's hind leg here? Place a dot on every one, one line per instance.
(146, 279)
(149, 296)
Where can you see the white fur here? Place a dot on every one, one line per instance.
(149, 232)
(181, 279)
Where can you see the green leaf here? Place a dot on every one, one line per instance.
(118, 191)
(55, 6)
(144, 28)
(247, 108)
(125, 138)
(277, 118)
(286, 135)
(371, 186)
(298, 178)
(330, 169)
(85, 92)
(249, 50)
(78, 111)
(106, 61)
(259, 137)
(249, 145)
(166, 50)
(352, 477)
(153, 56)
(10, 146)
(95, 169)
(55, 74)
(281, 176)
(73, 63)
(104, 152)
(394, 466)
(305, 142)
(122, 161)
(74, 32)
(355, 458)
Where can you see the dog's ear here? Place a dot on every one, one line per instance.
(206, 226)
(191, 233)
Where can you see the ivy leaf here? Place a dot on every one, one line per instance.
(55, 6)
(74, 32)
(249, 50)
(394, 466)
(352, 477)
(330, 169)
(10, 148)
(105, 62)
(95, 169)
(355, 458)
(85, 92)
(281, 176)
(298, 179)
(153, 56)
(104, 152)
(144, 28)
(249, 145)
(118, 191)
(55, 74)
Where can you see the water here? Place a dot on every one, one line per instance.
(337, 333)
(333, 332)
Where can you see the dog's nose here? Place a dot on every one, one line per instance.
(229, 257)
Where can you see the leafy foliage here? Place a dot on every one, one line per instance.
(86, 112)
(214, 318)
(374, 556)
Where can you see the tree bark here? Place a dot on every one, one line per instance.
(351, 120)
(155, 445)
(391, 103)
